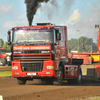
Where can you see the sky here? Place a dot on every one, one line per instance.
(80, 16)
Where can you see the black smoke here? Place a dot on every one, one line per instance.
(57, 10)
(32, 6)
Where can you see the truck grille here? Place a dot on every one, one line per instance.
(32, 55)
(31, 66)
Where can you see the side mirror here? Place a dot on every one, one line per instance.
(58, 36)
(9, 37)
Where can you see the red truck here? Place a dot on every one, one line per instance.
(3, 56)
(41, 52)
(91, 62)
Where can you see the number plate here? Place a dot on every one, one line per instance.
(31, 73)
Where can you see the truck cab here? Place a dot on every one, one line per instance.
(41, 52)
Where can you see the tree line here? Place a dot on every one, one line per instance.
(5, 46)
(82, 44)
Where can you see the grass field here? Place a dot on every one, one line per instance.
(5, 73)
(96, 99)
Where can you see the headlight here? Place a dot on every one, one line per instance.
(14, 67)
(50, 67)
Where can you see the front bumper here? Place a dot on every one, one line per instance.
(33, 74)
(44, 73)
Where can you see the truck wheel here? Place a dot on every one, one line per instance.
(2, 62)
(58, 81)
(9, 63)
(21, 81)
(78, 80)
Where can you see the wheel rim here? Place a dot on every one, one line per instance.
(60, 76)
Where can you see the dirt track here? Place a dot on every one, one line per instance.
(34, 90)
(5, 68)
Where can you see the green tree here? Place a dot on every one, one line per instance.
(82, 44)
(71, 44)
(1, 43)
(6, 47)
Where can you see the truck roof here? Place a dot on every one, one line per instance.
(32, 27)
(37, 27)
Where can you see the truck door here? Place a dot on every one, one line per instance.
(62, 44)
(56, 42)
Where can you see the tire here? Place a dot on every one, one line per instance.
(21, 81)
(9, 63)
(2, 62)
(78, 80)
(58, 81)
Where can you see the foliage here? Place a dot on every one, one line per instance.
(82, 44)
(1, 43)
(6, 47)
(5, 73)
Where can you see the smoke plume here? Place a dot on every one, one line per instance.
(32, 6)
(57, 9)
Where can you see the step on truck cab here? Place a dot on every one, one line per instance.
(41, 52)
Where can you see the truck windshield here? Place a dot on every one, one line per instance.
(33, 36)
